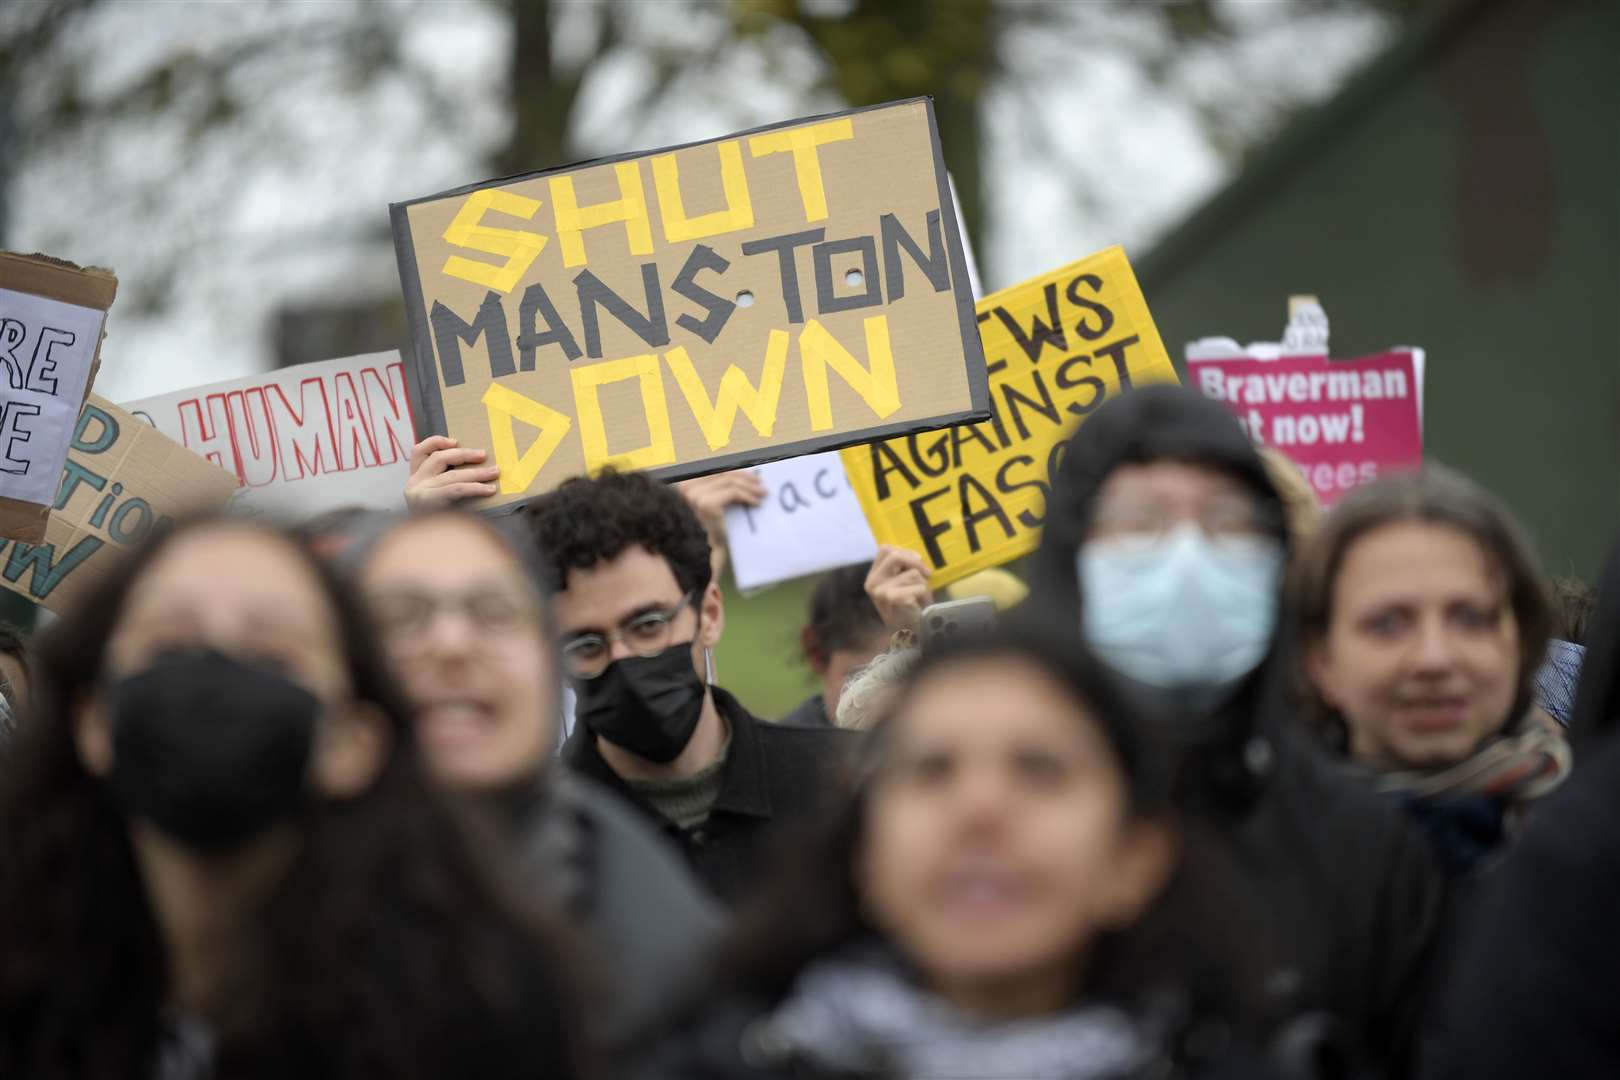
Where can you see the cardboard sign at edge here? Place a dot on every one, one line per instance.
(149, 465)
(67, 283)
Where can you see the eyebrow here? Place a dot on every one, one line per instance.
(650, 608)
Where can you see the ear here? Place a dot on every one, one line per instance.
(350, 750)
(92, 736)
(811, 648)
(713, 609)
(1146, 859)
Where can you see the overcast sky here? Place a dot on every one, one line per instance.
(288, 203)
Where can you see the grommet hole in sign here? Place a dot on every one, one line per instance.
(745, 299)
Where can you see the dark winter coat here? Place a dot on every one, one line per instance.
(1355, 900)
(651, 923)
(1537, 991)
(773, 775)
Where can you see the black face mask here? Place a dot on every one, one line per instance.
(210, 750)
(649, 705)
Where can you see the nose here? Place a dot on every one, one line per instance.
(979, 800)
(1433, 652)
(618, 650)
(450, 632)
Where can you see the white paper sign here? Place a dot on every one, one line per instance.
(303, 439)
(46, 350)
(810, 522)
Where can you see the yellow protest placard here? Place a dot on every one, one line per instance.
(797, 288)
(1056, 347)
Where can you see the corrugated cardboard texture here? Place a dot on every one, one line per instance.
(154, 478)
(1058, 346)
(657, 399)
(67, 283)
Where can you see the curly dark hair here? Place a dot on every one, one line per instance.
(14, 643)
(589, 520)
(393, 946)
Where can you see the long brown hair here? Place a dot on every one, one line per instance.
(392, 946)
(1434, 495)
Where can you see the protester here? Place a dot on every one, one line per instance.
(1560, 671)
(1423, 621)
(898, 586)
(222, 855)
(13, 677)
(843, 635)
(473, 641)
(994, 900)
(14, 685)
(1537, 990)
(639, 615)
(1163, 548)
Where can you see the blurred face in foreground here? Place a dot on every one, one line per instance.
(248, 594)
(998, 842)
(462, 623)
(1421, 652)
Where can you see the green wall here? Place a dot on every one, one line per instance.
(1523, 386)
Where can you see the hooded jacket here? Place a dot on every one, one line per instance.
(1355, 901)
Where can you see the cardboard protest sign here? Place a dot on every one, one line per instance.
(782, 291)
(810, 521)
(51, 315)
(301, 440)
(1342, 422)
(1058, 346)
(122, 480)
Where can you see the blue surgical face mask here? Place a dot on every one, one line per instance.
(1180, 611)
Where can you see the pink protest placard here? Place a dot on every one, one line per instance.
(1342, 422)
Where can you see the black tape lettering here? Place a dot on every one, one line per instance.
(971, 518)
(685, 284)
(536, 305)
(784, 246)
(884, 462)
(929, 530)
(1068, 380)
(1116, 353)
(450, 333)
(1016, 399)
(1040, 333)
(933, 459)
(1105, 318)
(962, 433)
(1007, 486)
(652, 328)
(936, 266)
(827, 300)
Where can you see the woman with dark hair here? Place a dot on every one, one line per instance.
(1004, 899)
(475, 644)
(844, 633)
(222, 857)
(1423, 620)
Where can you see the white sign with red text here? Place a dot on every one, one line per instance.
(302, 439)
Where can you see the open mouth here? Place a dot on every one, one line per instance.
(983, 892)
(452, 721)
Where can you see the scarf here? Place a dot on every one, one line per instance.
(1469, 809)
(858, 1013)
(1525, 761)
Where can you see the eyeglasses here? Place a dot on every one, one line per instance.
(1220, 517)
(409, 613)
(646, 635)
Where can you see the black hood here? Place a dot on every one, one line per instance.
(1596, 715)
(1160, 423)
(1153, 423)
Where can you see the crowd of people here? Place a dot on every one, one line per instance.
(1232, 788)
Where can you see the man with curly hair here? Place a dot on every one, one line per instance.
(639, 613)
